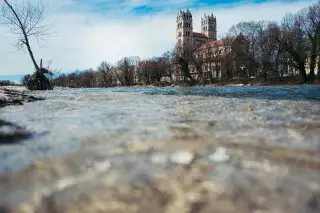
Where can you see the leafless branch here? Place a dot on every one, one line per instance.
(25, 18)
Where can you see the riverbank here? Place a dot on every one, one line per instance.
(16, 95)
(220, 83)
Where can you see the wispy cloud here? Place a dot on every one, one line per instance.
(90, 31)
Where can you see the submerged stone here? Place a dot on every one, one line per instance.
(219, 156)
(182, 157)
(313, 204)
(159, 158)
(11, 133)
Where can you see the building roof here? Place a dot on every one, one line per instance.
(217, 43)
(199, 35)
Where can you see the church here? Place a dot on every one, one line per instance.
(215, 59)
(187, 37)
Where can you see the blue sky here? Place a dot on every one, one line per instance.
(142, 7)
(148, 6)
(91, 31)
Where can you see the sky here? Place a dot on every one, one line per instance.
(87, 32)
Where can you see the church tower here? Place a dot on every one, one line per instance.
(184, 28)
(209, 26)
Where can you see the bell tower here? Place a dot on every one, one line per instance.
(209, 26)
(184, 28)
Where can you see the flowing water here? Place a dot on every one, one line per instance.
(282, 115)
(174, 149)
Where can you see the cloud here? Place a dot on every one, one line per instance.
(86, 36)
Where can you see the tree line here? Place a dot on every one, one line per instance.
(279, 49)
(128, 71)
(272, 52)
(260, 51)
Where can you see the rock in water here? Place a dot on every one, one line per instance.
(159, 158)
(182, 157)
(11, 133)
(219, 156)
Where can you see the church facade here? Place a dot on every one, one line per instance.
(187, 37)
(212, 59)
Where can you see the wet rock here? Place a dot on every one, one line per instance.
(138, 146)
(313, 204)
(182, 157)
(101, 165)
(219, 156)
(183, 131)
(11, 133)
(33, 98)
(159, 158)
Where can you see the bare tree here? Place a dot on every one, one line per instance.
(310, 24)
(294, 42)
(184, 58)
(167, 58)
(26, 21)
(106, 75)
(125, 70)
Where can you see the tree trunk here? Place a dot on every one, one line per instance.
(264, 71)
(302, 72)
(185, 69)
(318, 66)
(313, 56)
(26, 40)
(31, 55)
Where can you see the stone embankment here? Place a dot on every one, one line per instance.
(9, 132)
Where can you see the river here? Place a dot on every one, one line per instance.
(69, 116)
(168, 149)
